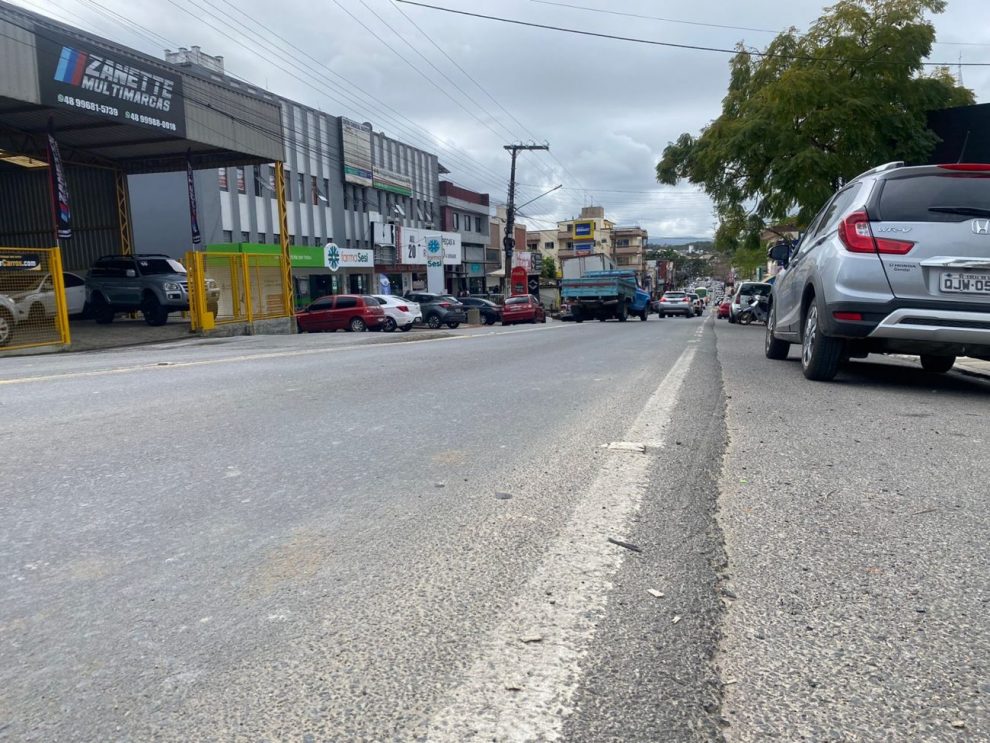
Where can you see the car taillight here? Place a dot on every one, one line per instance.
(663, 299)
(445, 304)
(855, 316)
(402, 308)
(857, 236)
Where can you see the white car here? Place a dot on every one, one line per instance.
(37, 301)
(399, 313)
(8, 311)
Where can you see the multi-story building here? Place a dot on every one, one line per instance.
(544, 244)
(497, 282)
(629, 248)
(593, 233)
(469, 214)
(344, 184)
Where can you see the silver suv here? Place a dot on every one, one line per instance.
(898, 261)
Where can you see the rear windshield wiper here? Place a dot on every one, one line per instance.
(970, 211)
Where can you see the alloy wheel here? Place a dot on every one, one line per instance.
(810, 331)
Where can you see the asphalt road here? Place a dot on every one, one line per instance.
(366, 537)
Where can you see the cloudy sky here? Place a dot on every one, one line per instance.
(464, 87)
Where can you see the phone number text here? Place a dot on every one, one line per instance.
(69, 100)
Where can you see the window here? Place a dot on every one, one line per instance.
(371, 302)
(245, 237)
(477, 224)
(326, 190)
(548, 246)
(222, 178)
(262, 238)
(257, 180)
(71, 280)
(300, 188)
(457, 221)
(241, 188)
(316, 192)
(345, 303)
(322, 304)
(228, 236)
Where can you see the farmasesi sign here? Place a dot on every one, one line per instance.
(414, 244)
(83, 77)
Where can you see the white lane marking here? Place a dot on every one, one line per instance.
(158, 366)
(515, 691)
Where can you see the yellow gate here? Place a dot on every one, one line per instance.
(229, 288)
(33, 310)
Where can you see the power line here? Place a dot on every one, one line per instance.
(709, 25)
(670, 44)
(482, 88)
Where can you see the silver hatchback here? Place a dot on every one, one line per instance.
(898, 261)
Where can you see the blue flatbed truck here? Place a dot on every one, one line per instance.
(603, 295)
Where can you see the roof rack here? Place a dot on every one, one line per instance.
(880, 169)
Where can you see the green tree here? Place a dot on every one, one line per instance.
(814, 111)
(549, 269)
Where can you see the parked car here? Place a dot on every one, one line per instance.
(8, 311)
(491, 313)
(157, 285)
(35, 301)
(698, 303)
(898, 260)
(676, 303)
(723, 309)
(400, 313)
(745, 292)
(439, 309)
(352, 312)
(523, 308)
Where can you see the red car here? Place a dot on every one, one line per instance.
(352, 312)
(723, 309)
(524, 308)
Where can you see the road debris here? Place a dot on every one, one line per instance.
(655, 593)
(626, 545)
(676, 619)
(503, 496)
(531, 638)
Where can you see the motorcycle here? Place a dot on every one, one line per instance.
(757, 311)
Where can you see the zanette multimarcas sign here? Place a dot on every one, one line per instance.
(84, 77)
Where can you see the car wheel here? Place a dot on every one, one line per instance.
(661, 315)
(644, 316)
(102, 312)
(774, 348)
(6, 327)
(452, 325)
(434, 322)
(390, 325)
(154, 314)
(731, 319)
(357, 325)
(544, 320)
(489, 320)
(937, 364)
(745, 318)
(820, 354)
(299, 327)
(406, 328)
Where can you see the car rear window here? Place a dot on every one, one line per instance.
(517, 300)
(911, 199)
(675, 295)
(371, 302)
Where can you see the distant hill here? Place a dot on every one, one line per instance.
(678, 240)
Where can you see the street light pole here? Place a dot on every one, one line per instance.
(508, 241)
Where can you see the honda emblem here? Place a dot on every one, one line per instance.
(981, 226)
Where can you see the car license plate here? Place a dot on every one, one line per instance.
(965, 283)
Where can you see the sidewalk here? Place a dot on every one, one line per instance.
(976, 367)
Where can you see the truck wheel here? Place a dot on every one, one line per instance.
(577, 314)
(102, 312)
(154, 313)
(644, 315)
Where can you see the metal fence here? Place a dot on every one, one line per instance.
(229, 288)
(33, 309)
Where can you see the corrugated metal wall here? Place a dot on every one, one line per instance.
(17, 53)
(26, 213)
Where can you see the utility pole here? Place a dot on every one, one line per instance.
(509, 242)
